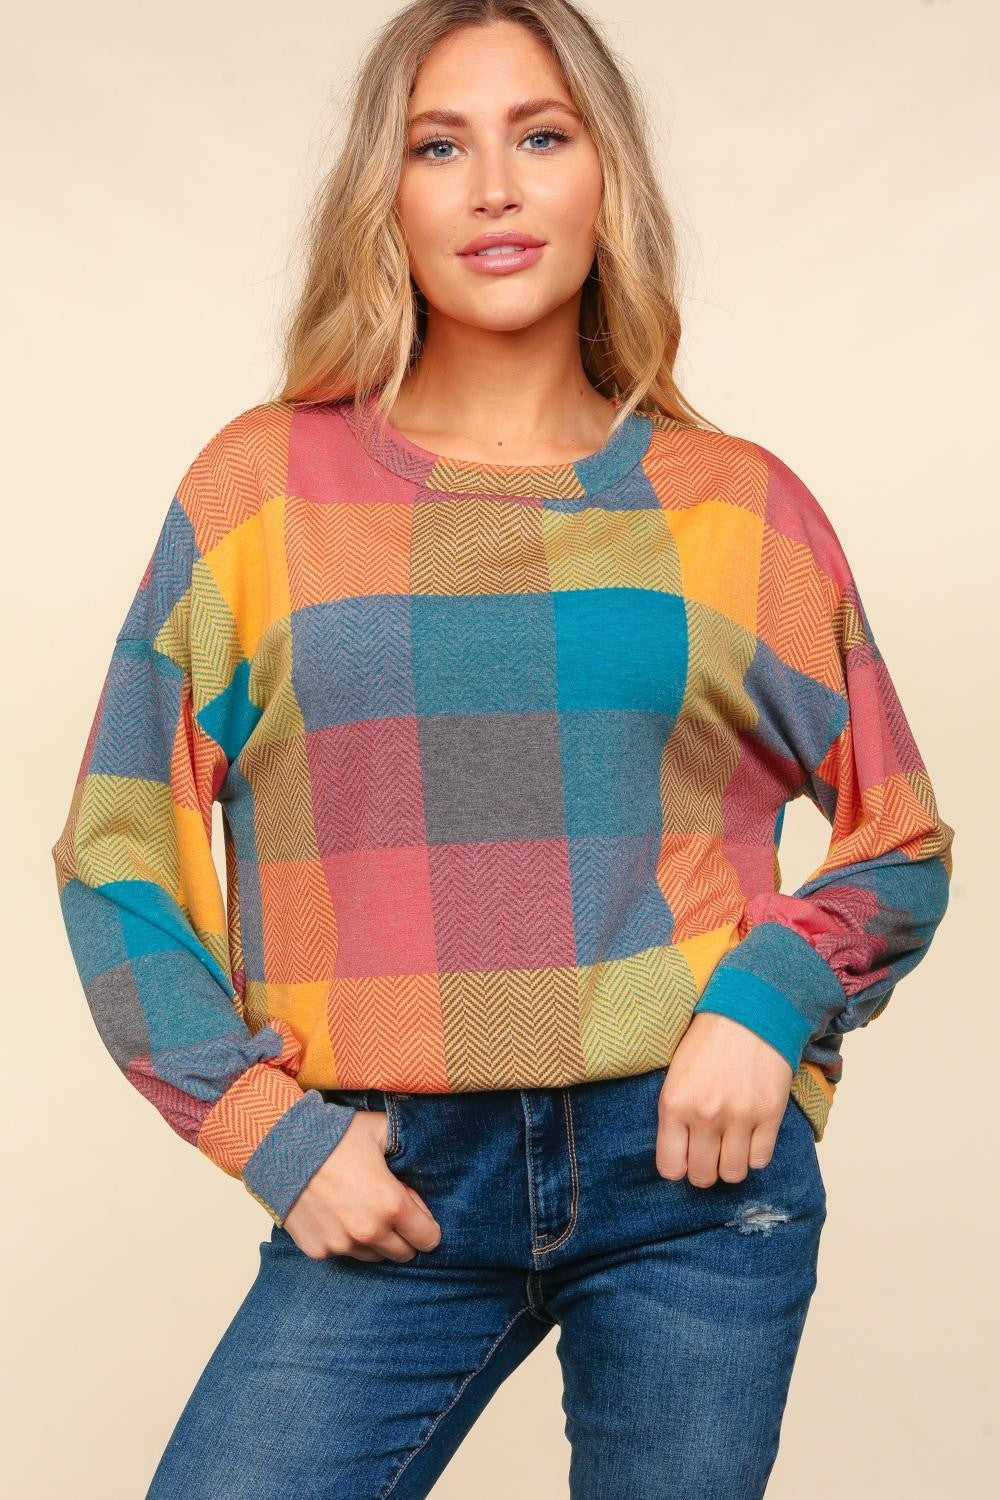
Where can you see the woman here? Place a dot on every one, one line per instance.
(503, 685)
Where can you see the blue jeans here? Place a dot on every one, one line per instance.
(680, 1310)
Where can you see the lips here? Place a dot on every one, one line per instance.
(496, 239)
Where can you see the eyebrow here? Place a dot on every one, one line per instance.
(516, 113)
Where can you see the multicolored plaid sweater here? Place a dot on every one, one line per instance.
(502, 755)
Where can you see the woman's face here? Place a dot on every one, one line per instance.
(479, 172)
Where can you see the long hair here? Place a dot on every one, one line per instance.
(358, 324)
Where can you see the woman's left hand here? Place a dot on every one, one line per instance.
(722, 1102)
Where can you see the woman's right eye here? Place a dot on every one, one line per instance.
(426, 145)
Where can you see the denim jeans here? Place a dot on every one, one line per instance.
(679, 1310)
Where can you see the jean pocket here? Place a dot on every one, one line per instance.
(394, 1139)
(369, 1099)
(356, 1098)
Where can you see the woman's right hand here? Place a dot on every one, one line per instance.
(355, 1205)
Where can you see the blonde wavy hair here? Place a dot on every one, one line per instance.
(358, 324)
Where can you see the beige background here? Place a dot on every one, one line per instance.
(833, 167)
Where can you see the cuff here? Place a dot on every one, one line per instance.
(293, 1150)
(775, 983)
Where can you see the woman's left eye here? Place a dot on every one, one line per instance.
(542, 133)
(559, 135)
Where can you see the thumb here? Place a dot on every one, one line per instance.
(418, 1200)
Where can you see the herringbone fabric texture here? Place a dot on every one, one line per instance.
(503, 755)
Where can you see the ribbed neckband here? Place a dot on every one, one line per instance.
(586, 476)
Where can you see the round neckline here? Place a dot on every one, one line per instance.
(621, 452)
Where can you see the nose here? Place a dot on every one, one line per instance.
(495, 186)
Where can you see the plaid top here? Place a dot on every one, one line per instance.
(502, 755)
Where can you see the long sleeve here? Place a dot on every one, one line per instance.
(825, 959)
(138, 890)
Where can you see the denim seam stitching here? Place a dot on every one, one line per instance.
(529, 1145)
(564, 1235)
(392, 1116)
(536, 1298)
(442, 1414)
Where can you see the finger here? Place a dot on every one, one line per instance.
(396, 1226)
(386, 1244)
(415, 1222)
(392, 1246)
(761, 1147)
(734, 1153)
(703, 1155)
(672, 1148)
